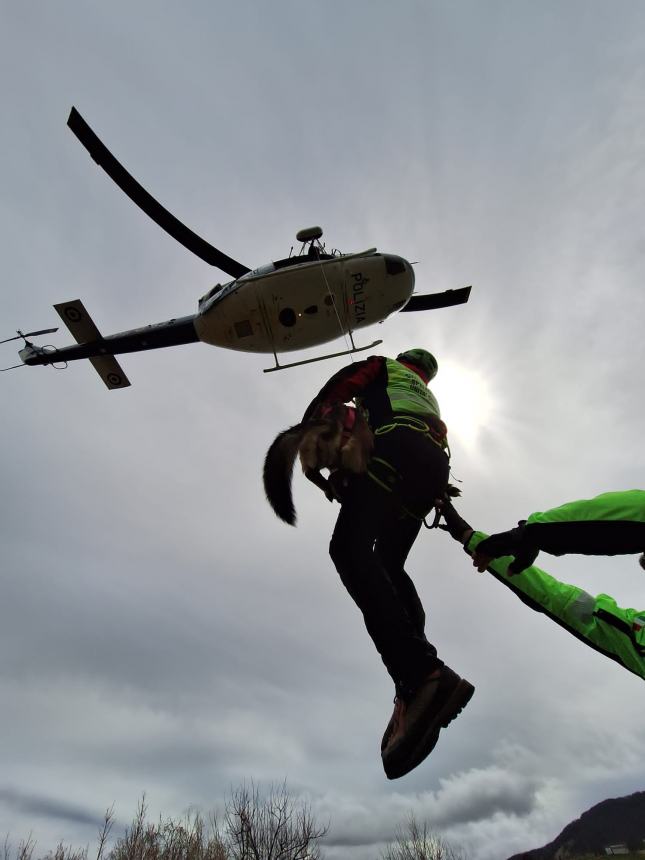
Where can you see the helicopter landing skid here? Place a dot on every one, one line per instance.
(319, 357)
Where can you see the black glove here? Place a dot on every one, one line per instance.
(514, 542)
(455, 525)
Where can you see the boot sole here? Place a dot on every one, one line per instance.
(451, 709)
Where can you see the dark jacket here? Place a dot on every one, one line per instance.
(369, 381)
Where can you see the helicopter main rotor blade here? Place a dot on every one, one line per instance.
(30, 334)
(127, 183)
(432, 301)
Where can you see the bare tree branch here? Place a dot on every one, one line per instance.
(416, 841)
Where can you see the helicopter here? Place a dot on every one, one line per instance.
(301, 301)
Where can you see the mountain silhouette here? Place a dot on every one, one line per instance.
(619, 820)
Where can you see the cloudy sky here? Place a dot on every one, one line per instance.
(160, 630)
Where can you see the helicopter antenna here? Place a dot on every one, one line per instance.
(310, 235)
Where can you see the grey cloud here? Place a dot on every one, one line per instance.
(463, 799)
(41, 806)
(479, 794)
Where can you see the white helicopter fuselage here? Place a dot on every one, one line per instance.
(287, 305)
(304, 301)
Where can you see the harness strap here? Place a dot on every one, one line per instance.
(418, 425)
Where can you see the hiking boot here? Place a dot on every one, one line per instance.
(396, 720)
(414, 728)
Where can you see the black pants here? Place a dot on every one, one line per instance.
(371, 542)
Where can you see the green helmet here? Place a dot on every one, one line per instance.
(421, 358)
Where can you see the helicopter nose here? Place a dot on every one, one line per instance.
(399, 280)
(395, 265)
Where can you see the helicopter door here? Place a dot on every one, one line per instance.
(305, 306)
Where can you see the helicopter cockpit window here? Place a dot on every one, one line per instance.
(394, 265)
(210, 293)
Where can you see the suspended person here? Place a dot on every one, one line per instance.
(609, 524)
(380, 517)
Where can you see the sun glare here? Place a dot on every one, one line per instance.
(466, 402)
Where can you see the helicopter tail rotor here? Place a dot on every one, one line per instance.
(28, 347)
(20, 335)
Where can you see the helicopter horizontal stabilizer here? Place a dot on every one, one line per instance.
(110, 371)
(432, 301)
(84, 330)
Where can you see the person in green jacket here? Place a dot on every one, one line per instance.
(609, 524)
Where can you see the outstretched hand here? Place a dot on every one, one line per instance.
(513, 542)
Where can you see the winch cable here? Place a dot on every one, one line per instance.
(332, 299)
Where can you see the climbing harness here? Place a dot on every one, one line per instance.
(438, 435)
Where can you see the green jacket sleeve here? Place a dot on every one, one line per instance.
(609, 524)
(598, 621)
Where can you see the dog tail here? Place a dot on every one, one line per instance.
(278, 472)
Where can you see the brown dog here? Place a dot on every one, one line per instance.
(341, 440)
